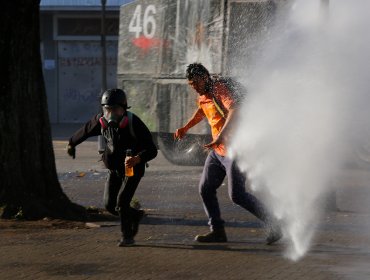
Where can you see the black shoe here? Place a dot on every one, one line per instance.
(274, 235)
(125, 242)
(216, 235)
(136, 221)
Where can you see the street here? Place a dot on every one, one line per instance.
(165, 248)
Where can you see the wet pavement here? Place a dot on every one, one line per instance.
(165, 248)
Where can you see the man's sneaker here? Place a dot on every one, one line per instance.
(274, 235)
(126, 242)
(136, 220)
(216, 235)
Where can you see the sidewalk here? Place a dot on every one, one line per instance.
(165, 248)
(64, 131)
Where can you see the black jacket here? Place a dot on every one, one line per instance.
(141, 144)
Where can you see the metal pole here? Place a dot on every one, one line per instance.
(103, 47)
(101, 141)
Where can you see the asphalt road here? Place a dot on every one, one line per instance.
(165, 248)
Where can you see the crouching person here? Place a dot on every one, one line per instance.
(129, 145)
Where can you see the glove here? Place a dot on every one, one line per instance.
(71, 150)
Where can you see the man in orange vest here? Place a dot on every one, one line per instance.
(217, 103)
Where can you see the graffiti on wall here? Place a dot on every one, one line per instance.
(85, 61)
(77, 95)
(80, 76)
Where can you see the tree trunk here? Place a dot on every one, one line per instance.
(29, 184)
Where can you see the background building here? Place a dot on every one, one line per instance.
(72, 55)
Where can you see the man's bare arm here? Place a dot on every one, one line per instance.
(194, 120)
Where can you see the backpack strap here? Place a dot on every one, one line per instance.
(130, 126)
(218, 107)
(103, 123)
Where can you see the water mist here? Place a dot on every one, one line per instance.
(308, 97)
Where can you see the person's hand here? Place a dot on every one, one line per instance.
(71, 150)
(132, 161)
(180, 133)
(214, 143)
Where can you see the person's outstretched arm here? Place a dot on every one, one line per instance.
(194, 120)
(91, 128)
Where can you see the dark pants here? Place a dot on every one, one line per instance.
(118, 196)
(215, 169)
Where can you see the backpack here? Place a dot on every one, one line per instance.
(132, 132)
(237, 90)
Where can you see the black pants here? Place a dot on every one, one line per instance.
(118, 196)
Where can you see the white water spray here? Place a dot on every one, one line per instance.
(307, 97)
